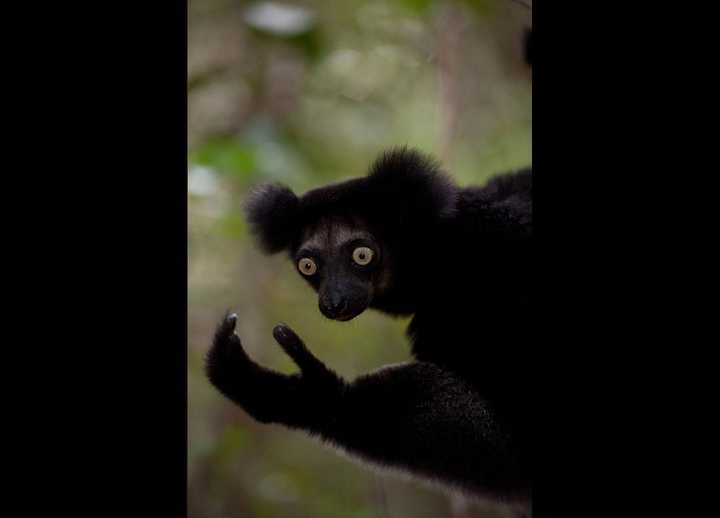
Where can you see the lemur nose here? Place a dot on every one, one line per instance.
(332, 307)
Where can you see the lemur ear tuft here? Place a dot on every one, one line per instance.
(271, 211)
(412, 185)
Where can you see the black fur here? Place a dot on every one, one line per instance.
(402, 184)
(460, 264)
(271, 211)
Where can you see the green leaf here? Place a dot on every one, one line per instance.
(226, 156)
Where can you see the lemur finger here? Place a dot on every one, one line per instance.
(295, 348)
(228, 324)
(226, 344)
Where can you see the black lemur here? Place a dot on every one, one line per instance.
(405, 240)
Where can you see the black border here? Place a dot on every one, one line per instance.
(103, 384)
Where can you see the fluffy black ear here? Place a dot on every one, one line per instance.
(412, 185)
(271, 211)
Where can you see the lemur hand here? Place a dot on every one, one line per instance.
(302, 399)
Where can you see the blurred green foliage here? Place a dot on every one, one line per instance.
(309, 93)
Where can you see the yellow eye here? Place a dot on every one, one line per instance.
(307, 266)
(362, 255)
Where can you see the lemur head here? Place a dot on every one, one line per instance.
(359, 242)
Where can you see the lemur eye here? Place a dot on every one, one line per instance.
(307, 266)
(362, 255)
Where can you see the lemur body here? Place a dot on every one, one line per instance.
(406, 240)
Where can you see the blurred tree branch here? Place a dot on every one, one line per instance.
(523, 3)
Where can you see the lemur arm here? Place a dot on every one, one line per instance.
(415, 417)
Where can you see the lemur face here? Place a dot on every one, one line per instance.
(358, 242)
(344, 263)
